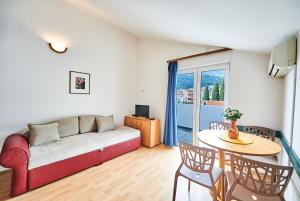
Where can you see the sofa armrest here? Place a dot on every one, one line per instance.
(15, 151)
(15, 155)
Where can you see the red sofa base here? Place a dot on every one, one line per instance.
(52, 172)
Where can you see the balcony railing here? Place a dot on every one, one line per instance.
(208, 113)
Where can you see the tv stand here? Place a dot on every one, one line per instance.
(143, 117)
(149, 128)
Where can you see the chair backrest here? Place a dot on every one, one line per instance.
(199, 159)
(217, 125)
(260, 131)
(258, 177)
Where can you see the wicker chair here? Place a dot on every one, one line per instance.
(260, 131)
(197, 165)
(266, 133)
(254, 180)
(217, 125)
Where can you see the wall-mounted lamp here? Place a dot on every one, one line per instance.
(57, 47)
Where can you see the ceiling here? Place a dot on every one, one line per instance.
(252, 25)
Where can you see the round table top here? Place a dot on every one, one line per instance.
(260, 146)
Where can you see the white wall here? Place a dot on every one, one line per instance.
(34, 81)
(296, 130)
(253, 91)
(287, 111)
(296, 127)
(250, 88)
(288, 105)
(289, 122)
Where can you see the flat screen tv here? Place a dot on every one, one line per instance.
(142, 111)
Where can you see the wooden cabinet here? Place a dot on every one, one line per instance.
(150, 129)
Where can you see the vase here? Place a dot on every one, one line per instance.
(233, 131)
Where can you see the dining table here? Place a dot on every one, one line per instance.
(258, 146)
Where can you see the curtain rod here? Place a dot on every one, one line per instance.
(200, 54)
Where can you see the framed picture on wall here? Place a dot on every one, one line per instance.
(79, 83)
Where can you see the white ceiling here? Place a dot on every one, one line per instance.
(253, 25)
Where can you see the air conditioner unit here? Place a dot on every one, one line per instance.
(283, 58)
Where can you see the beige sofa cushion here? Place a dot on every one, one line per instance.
(87, 123)
(105, 123)
(118, 135)
(78, 144)
(43, 133)
(68, 126)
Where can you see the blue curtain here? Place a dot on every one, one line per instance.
(170, 131)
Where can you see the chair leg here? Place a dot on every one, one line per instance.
(223, 185)
(189, 185)
(214, 194)
(175, 187)
(228, 196)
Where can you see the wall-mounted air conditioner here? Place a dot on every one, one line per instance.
(283, 58)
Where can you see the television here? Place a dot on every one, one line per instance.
(142, 111)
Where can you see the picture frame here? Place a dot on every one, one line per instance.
(79, 82)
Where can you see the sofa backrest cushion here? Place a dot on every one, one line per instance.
(105, 123)
(43, 133)
(68, 126)
(87, 123)
(24, 132)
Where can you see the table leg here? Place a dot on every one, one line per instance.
(221, 159)
(221, 165)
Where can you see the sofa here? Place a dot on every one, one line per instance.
(79, 148)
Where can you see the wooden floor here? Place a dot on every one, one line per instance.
(142, 175)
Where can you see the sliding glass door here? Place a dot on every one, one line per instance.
(211, 97)
(185, 95)
(201, 98)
